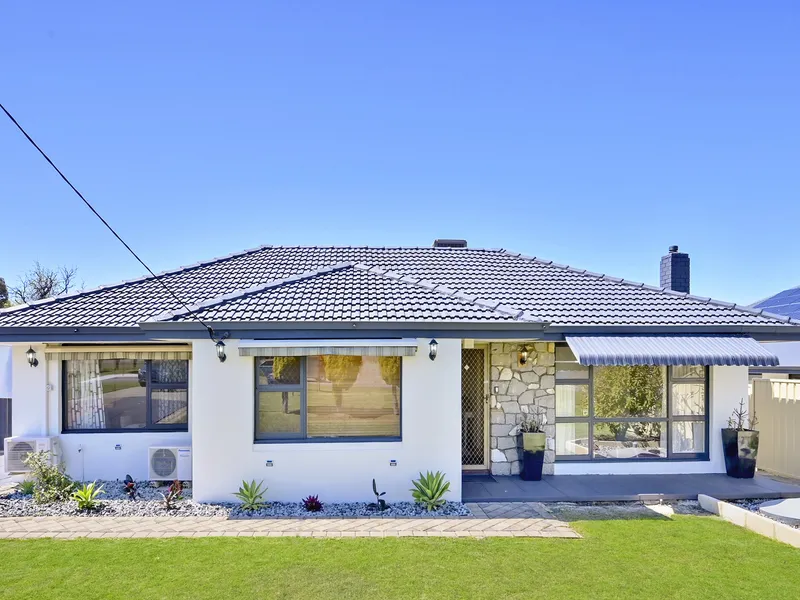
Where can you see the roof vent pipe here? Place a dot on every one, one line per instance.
(675, 271)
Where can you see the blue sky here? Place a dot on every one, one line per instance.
(594, 134)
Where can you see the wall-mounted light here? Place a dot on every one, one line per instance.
(434, 349)
(31, 355)
(523, 355)
(220, 344)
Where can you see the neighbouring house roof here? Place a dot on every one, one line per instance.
(785, 303)
(344, 284)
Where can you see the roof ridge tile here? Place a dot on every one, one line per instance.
(169, 315)
(461, 295)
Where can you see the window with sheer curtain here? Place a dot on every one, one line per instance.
(125, 395)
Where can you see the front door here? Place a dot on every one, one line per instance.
(474, 409)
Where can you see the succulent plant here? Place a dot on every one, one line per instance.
(174, 494)
(429, 490)
(312, 504)
(251, 495)
(130, 487)
(380, 503)
(86, 496)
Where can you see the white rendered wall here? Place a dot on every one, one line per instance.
(87, 456)
(729, 385)
(224, 454)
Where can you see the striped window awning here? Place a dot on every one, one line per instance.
(365, 347)
(709, 350)
(143, 352)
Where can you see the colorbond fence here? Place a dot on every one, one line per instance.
(777, 406)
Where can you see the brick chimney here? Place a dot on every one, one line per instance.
(675, 270)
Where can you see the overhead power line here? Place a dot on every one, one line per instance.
(99, 216)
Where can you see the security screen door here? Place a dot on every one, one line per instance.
(474, 409)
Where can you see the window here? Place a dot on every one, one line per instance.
(325, 398)
(634, 412)
(125, 395)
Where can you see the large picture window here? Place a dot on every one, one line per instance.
(321, 398)
(125, 395)
(629, 413)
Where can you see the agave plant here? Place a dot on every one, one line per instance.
(429, 490)
(86, 495)
(251, 495)
(312, 504)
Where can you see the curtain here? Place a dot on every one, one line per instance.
(85, 409)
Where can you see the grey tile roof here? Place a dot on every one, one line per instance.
(347, 292)
(539, 289)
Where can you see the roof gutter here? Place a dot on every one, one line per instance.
(165, 331)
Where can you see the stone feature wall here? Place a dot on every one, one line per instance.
(515, 389)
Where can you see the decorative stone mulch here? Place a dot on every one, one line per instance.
(150, 503)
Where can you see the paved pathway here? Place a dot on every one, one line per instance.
(517, 520)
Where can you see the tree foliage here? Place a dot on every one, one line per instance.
(43, 282)
(390, 369)
(286, 369)
(634, 391)
(390, 373)
(342, 372)
(3, 293)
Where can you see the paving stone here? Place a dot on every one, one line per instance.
(497, 519)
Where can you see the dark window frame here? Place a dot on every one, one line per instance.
(302, 436)
(667, 421)
(150, 386)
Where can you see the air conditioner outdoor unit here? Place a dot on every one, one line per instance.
(167, 463)
(16, 449)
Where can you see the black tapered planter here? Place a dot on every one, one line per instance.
(532, 446)
(741, 451)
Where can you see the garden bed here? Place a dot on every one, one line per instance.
(114, 503)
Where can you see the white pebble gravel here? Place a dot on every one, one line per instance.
(149, 503)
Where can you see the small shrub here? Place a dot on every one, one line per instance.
(741, 421)
(312, 504)
(251, 495)
(380, 503)
(534, 422)
(26, 487)
(86, 496)
(174, 494)
(130, 487)
(429, 490)
(50, 483)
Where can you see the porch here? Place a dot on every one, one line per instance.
(623, 488)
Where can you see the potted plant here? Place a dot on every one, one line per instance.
(740, 444)
(532, 443)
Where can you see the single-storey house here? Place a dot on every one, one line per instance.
(317, 369)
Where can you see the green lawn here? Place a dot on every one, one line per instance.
(686, 557)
